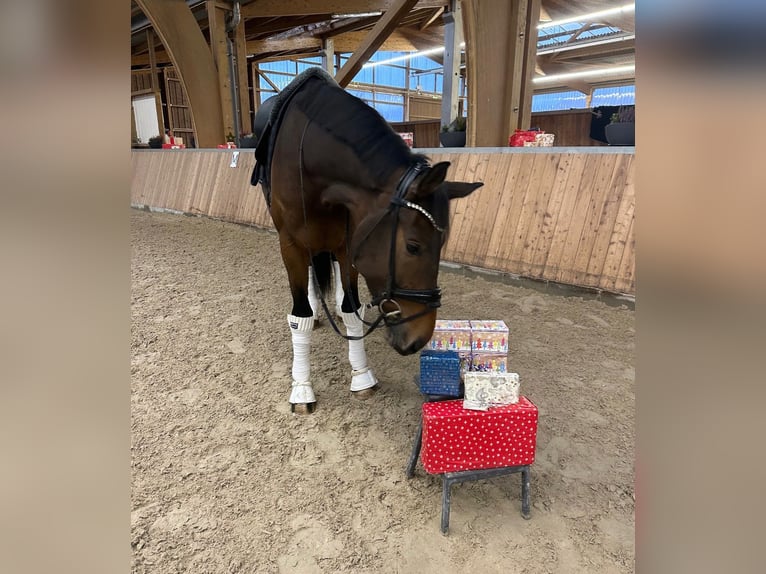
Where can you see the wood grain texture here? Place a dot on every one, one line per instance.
(563, 217)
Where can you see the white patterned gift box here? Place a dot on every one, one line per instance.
(489, 336)
(484, 390)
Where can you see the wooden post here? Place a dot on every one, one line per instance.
(453, 37)
(245, 119)
(495, 33)
(529, 58)
(217, 27)
(328, 55)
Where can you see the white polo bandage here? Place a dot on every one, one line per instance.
(300, 331)
(361, 375)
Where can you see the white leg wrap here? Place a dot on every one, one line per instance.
(313, 299)
(300, 330)
(338, 286)
(361, 375)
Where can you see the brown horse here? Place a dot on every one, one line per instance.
(342, 185)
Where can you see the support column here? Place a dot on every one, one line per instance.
(453, 37)
(217, 26)
(529, 59)
(495, 36)
(328, 55)
(174, 23)
(245, 119)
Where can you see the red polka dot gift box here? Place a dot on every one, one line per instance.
(456, 439)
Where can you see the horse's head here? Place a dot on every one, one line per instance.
(396, 247)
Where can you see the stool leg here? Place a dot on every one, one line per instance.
(446, 493)
(525, 492)
(415, 451)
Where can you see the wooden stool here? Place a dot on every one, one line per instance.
(466, 475)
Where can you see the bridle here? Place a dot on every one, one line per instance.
(429, 298)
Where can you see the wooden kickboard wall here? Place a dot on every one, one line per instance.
(563, 217)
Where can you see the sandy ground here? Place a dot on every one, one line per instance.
(226, 479)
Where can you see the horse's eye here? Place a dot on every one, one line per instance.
(413, 248)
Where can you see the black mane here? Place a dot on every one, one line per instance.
(350, 121)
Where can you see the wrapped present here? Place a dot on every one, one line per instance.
(489, 362)
(440, 373)
(489, 336)
(451, 336)
(456, 439)
(484, 390)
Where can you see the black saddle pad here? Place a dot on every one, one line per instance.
(268, 120)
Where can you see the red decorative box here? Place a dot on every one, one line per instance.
(456, 439)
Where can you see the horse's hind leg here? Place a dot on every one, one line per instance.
(301, 322)
(363, 381)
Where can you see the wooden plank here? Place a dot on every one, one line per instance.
(589, 210)
(373, 40)
(619, 240)
(488, 212)
(530, 260)
(606, 224)
(625, 282)
(562, 213)
(531, 197)
(517, 183)
(583, 190)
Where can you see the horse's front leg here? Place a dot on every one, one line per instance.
(363, 381)
(301, 322)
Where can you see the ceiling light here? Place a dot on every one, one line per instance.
(578, 45)
(585, 74)
(358, 15)
(589, 17)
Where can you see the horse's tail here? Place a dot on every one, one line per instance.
(322, 263)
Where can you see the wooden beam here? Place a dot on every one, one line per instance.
(262, 46)
(263, 8)
(374, 40)
(453, 37)
(176, 26)
(152, 60)
(216, 18)
(396, 42)
(328, 55)
(434, 15)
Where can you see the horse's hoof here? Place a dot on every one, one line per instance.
(303, 408)
(365, 394)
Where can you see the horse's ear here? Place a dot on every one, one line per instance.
(457, 189)
(432, 178)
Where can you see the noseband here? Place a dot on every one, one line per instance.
(430, 298)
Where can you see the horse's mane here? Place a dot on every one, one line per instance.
(352, 122)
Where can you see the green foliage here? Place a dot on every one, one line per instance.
(456, 125)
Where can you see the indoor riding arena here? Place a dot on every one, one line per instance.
(227, 475)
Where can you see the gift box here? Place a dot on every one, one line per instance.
(451, 336)
(489, 362)
(484, 390)
(440, 373)
(456, 439)
(489, 336)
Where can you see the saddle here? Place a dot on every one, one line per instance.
(267, 122)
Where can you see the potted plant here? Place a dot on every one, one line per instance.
(622, 129)
(155, 142)
(453, 135)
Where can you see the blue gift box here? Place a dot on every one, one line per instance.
(440, 373)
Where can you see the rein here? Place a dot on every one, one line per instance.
(430, 298)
